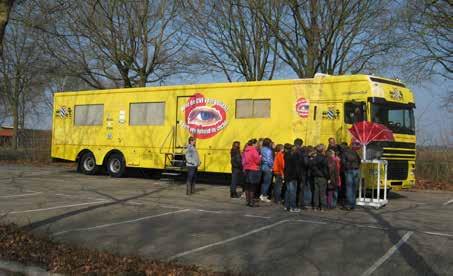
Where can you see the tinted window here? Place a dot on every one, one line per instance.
(244, 108)
(147, 113)
(262, 108)
(398, 118)
(251, 108)
(354, 112)
(88, 115)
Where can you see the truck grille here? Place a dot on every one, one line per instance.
(397, 169)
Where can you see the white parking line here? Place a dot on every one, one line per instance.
(134, 202)
(448, 202)
(118, 223)
(310, 221)
(387, 255)
(369, 226)
(227, 240)
(169, 206)
(254, 216)
(209, 211)
(21, 195)
(100, 199)
(56, 207)
(64, 195)
(438, 234)
(84, 197)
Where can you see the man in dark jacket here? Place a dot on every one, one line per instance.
(303, 188)
(350, 161)
(290, 175)
(236, 168)
(333, 145)
(320, 171)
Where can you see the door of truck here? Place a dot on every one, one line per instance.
(354, 111)
(181, 132)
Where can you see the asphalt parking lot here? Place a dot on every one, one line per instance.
(413, 235)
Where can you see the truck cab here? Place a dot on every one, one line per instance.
(392, 104)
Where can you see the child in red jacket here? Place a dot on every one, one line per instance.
(278, 169)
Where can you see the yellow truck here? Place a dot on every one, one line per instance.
(148, 127)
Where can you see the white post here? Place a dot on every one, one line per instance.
(364, 152)
(360, 188)
(385, 179)
(378, 181)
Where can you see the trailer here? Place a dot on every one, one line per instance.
(148, 127)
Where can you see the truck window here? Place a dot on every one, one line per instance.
(253, 108)
(144, 114)
(397, 117)
(354, 112)
(244, 108)
(88, 115)
(262, 108)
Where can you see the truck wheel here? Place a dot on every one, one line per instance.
(88, 164)
(116, 166)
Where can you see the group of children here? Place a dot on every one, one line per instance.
(307, 177)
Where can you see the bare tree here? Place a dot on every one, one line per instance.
(429, 39)
(4, 113)
(114, 43)
(230, 38)
(5, 8)
(56, 83)
(332, 37)
(427, 53)
(21, 70)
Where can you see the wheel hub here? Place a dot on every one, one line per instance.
(115, 166)
(89, 164)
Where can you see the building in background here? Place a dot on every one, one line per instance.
(6, 134)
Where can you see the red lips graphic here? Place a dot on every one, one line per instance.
(302, 107)
(204, 118)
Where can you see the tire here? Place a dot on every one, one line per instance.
(87, 164)
(116, 166)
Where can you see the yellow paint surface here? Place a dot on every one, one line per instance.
(145, 146)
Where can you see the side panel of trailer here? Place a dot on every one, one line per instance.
(145, 124)
(221, 115)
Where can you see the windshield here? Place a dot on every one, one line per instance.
(398, 118)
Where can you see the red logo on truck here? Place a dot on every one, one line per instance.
(204, 117)
(302, 107)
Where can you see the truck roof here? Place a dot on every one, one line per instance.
(317, 79)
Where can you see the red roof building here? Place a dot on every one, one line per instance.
(6, 134)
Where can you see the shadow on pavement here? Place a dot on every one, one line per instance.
(410, 255)
(37, 224)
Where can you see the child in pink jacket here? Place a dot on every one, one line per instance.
(251, 162)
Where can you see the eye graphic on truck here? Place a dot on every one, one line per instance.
(302, 107)
(204, 117)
